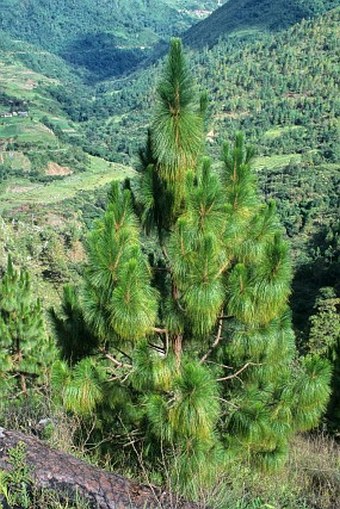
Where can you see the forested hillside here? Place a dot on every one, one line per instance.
(39, 142)
(282, 91)
(170, 247)
(103, 38)
(284, 96)
(246, 18)
(33, 124)
(43, 164)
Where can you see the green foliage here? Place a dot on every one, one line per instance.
(22, 332)
(15, 484)
(174, 144)
(271, 90)
(197, 339)
(186, 356)
(118, 297)
(71, 30)
(75, 340)
(324, 339)
(176, 133)
(325, 326)
(78, 389)
(241, 18)
(191, 412)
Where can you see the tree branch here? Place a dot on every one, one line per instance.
(216, 342)
(112, 359)
(236, 375)
(160, 331)
(223, 268)
(166, 333)
(158, 348)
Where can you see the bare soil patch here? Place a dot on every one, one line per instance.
(56, 169)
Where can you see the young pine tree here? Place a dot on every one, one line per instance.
(324, 339)
(196, 361)
(25, 351)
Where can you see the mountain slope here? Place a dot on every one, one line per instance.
(41, 155)
(243, 17)
(33, 127)
(106, 38)
(48, 184)
(281, 91)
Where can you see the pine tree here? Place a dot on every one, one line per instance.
(74, 338)
(25, 351)
(196, 337)
(324, 339)
(174, 143)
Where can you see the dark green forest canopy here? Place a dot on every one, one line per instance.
(105, 38)
(245, 18)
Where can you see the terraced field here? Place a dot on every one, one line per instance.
(19, 193)
(39, 168)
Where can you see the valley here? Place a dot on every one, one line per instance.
(102, 39)
(65, 137)
(155, 326)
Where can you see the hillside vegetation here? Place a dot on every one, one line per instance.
(102, 38)
(171, 312)
(173, 356)
(42, 166)
(37, 139)
(281, 90)
(245, 18)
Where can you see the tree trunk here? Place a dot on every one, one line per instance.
(103, 490)
(177, 348)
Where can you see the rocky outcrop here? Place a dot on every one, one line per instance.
(103, 490)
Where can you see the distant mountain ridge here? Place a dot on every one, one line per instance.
(243, 17)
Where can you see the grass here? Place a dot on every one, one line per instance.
(16, 160)
(246, 32)
(277, 161)
(25, 130)
(18, 81)
(278, 131)
(61, 122)
(10, 127)
(309, 480)
(19, 192)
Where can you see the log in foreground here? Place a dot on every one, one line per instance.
(64, 473)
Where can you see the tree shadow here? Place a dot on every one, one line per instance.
(321, 269)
